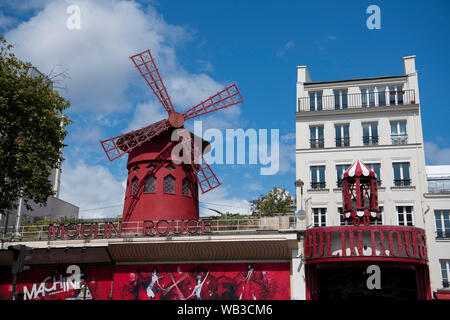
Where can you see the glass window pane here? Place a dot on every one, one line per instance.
(338, 131)
(344, 99)
(346, 131)
(313, 174)
(397, 175)
(405, 171)
(322, 173)
(320, 132)
(394, 127)
(312, 132)
(402, 127)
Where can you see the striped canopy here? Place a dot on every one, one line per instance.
(359, 169)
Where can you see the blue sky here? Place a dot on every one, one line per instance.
(202, 46)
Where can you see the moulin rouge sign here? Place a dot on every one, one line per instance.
(147, 228)
(365, 242)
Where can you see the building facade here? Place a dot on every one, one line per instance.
(375, 120)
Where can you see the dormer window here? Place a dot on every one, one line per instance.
(169, 184)
(170, 167)
(315, 100)
(134, 186)
(136, 169)
(150, 184)
(186, 187)
(340, 99)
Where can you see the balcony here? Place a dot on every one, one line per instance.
(370, 140)
(318, 185)
(316, 143)
(343, 142)
(402, 182)
(357, 100)
(399, 138)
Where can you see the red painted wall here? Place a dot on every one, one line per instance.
(245, 281)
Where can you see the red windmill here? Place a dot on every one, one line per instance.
(360, 194)
(158, 188)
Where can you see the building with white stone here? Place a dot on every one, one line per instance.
(377, 121)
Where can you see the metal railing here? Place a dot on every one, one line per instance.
(357, 100)
(318, 185)
(370, 140)
(343, 142)
(399, 138)
(443, 234)
(402, 182)
(135, 229)
(316, 143)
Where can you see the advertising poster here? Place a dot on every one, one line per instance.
(231, 281)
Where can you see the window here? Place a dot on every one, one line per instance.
(405, 216)
(381, 96)
(315, 100)
(319, 217)
(368, 97)
(395, 95)
(342, 135)
(136, 169)
(134, 186)
(445, 269)
(340, 99)
(318, 177)
(150, 184)
(340, 169)
(401, 174)
(170, 167)
(375, 167)
(442, 218)
(398, 132)
(186, 187)
(370, 133)
(169, 184)
(316, 136)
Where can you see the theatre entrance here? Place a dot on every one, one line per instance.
(348, 281)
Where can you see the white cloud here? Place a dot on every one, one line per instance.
(286, 47)
(90, 187)
(97, 54)
(436, 155)
(220, 199)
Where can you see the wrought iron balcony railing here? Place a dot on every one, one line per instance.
(356, 100)
(318, 185)
(443, 234)
(399, 138)
(402, 182)
(343, 142)
(316, 143)
(370, 140)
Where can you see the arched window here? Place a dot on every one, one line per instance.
(150, 184)
(186, 187)
(134, 186)
(169, 184)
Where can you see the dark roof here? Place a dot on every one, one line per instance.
(359, 79)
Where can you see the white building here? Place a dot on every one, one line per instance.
(375, 120)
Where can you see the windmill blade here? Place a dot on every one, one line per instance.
(207, 179)
(223, 99)
(117, 146)
(145, 63)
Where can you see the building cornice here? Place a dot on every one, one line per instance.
(357, 112)
(355, 82)
(360, 148)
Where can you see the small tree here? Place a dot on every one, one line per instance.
(278, 200)
(32, 131)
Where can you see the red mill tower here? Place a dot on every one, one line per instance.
(158, 188)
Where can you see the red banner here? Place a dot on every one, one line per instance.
(62, 283)
(233, 281)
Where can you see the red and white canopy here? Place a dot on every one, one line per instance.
(358, 169)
